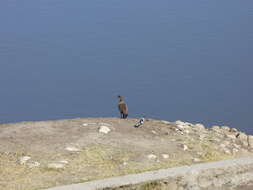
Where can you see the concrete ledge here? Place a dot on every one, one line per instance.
(229, 173)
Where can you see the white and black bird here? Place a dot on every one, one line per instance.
(140, 123)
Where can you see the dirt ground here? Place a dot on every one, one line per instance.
(83, 153)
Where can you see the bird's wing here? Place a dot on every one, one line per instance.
(123, 108)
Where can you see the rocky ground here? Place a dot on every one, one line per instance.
(36, 155)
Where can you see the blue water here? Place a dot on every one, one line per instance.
(172, 60)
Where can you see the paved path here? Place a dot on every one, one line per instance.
(155, 175)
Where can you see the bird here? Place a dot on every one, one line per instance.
(141, 122)
(123, 109)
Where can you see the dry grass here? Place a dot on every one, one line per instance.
(93, 162)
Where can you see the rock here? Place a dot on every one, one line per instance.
(184, 147)
(85, 124)
(186, 131)
(33, 164)
(104, 129)
(152, 156)
(154, 132)
(165, 122)
(72, 149)
(234, 151)
(237, 146)
(196, 160)
(214, 140)
(233, 130)
(250, 141)
(227, 151)
(201, 136)
(24, 159)
(215, 128)
(189, 124)
(165, 156)
(243, 138)
(55, 166)
(63, 161)
(226, 128)
(181, 127)
(230, 136)
(172, 185)
(178, 122)
(199, 126)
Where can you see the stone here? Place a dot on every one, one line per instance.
(237, 146)
(63, 161)
(201, 136)
(181, 127)
(199, 126)
(243, 138)
(55, 166)
(85, 124)
(72, 149)
(226, 128)
(214, 140)
(165, 156)
(104, 129)
(189, 124)
(233, 130)
(24, 159)
(227, 151)
(230, 136)
(215, 128)
(250, 141)
(152, 156)
(185, 147)
(33, 164)
(196, 160)
(178, 122)
(172, 185)
(235, 150)
(165, 122)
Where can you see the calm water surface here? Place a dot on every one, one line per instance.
(173, 60)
